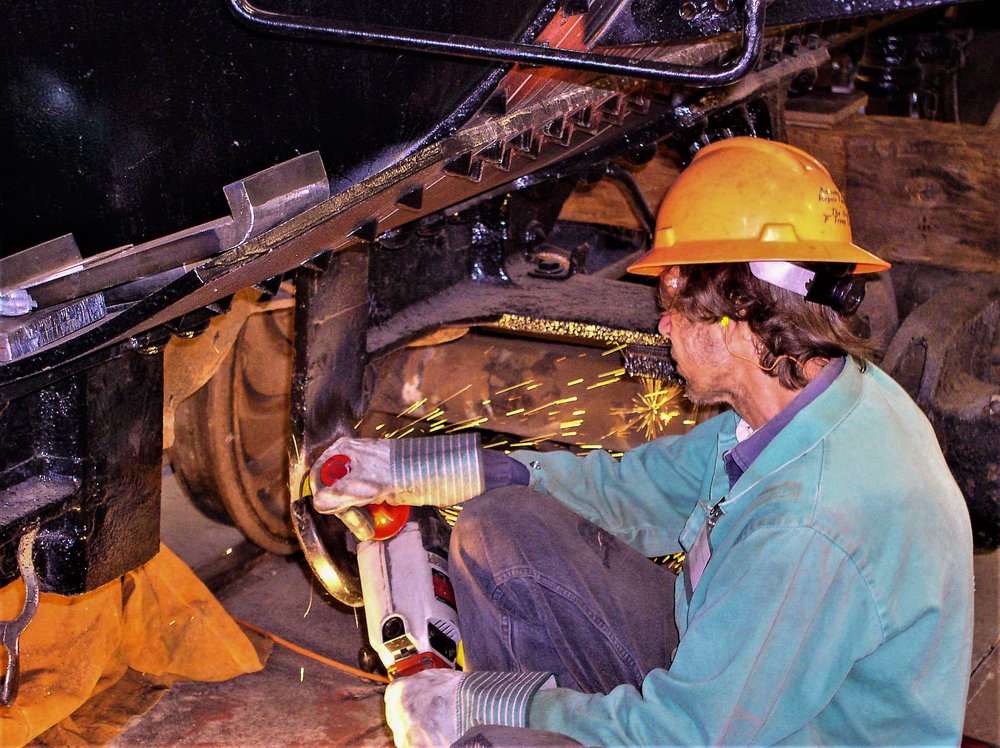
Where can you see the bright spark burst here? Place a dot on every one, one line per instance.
(652, 409)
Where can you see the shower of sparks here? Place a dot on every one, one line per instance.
(309, 606)
(514, 386)
(603, 383)
(652, 409)
(510, 410)
(412, 408)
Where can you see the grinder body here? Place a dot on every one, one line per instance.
(412, 621)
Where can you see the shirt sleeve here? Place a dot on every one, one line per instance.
(501, 470)
(644, 499)
(783, 621)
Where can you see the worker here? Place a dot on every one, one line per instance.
(826, 590)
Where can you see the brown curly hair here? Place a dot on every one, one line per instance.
(784, 323)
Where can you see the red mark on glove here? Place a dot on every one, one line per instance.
(334, 469)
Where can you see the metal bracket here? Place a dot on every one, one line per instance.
(10, 631)
(479, 48)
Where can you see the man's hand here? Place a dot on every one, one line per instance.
(436, 707)
(422, 471)
(422, 709)
(368, 477)
(365, 478)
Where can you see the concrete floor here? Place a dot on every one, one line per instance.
(982, 716)
(296, 701)
(293, 700)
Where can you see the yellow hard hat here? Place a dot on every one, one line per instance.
(752, 200)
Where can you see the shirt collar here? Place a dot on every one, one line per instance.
(738, 459)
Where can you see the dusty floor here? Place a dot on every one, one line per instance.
(982, 716)
(296, 701)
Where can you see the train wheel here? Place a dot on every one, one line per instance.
(232, 435)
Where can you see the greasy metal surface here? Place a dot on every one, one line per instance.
(479, 48)
(83, 459)
(328, 399)
(644, 21)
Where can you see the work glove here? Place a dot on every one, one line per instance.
(424, 471)
(422, 709)
(436, 707)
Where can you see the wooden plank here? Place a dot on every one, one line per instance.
(919, 192)
(823, 108)
(605, 203)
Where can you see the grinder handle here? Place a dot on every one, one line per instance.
(387, 519)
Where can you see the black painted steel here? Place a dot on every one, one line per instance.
(479, 48)
(329, 396)
(612, 22)
(121, 122)
(83, 460)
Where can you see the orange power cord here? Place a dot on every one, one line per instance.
(310, 654)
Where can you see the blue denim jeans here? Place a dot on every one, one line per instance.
(539, 588)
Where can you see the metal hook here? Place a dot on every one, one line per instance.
(479, 48)
(10, 631)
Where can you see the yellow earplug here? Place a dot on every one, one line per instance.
(725, 341)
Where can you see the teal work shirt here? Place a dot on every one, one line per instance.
(836, 606)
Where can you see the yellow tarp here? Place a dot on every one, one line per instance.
(158, 620)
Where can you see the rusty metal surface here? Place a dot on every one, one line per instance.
(190, 361)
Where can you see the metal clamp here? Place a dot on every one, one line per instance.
(479, 48)
(10, 631)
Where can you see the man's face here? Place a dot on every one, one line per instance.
(698, 348)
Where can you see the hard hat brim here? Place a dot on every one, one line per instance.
(742, 250)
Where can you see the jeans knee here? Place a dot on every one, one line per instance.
(501, 517)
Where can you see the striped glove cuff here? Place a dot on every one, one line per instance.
(440, 470)
(489, 698)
